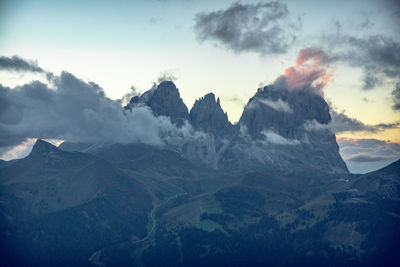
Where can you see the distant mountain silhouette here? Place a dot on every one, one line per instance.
(66, 204)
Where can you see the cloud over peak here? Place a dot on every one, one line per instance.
(311, 71)
(78, 111)
(342, 123)
(263, 28)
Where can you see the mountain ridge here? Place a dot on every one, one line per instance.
(271, 129)
(132, 204)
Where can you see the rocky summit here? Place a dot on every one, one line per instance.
(42, 147)
(164, 100)
(207, 115)
(271, 133)
(271, 190)
(277, 119)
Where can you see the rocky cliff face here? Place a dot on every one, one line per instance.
(42, 147)
(283, 112)
(271, 132)
(164, 100)
(207, 115)
(274, 132)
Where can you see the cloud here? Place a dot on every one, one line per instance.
(384, 126)
(342, 123)
(19, 151)
(155, 20)
(274, 138)
(311, 54)
(314, 125)
(311, 71)
(364, 155)
(367, 100)
(366, 158)
(15, 63)
(278, 105)
(396, 97)
(377, 55)
(236, 100)
(167, 76)
(128, 96)
(79, 111)
(264, 28)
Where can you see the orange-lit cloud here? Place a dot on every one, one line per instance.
(311, 70)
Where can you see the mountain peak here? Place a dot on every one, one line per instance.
(207, 115)
(209, 97)
(167, 85)
(163, 100)
(277, 117)
(166, 101)
(43, 147)
(283, 111)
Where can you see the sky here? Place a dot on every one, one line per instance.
(229, 48)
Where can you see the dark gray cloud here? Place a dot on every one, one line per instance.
(364, 155)
(378, 55)
(78, 111)
(392, 9)
(396, 97)
(264, 28)
(367, 100)
(384, 126)
(15, 63)
(342, 123)
(236, 100)
(366, 158)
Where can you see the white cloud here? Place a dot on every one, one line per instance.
(313, 125)
(278, 105)
(274, 138)
(79, 112)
